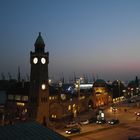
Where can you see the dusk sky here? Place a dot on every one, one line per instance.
(100, 37)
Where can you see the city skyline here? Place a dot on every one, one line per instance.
(82, 37)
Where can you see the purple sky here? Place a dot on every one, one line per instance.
(100, 37)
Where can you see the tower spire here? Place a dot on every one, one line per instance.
(39, 44)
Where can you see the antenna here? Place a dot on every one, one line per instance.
(27, 76)
(9, 75)
(18, 74)
(2, 76)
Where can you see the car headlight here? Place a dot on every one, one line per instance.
(138, 114)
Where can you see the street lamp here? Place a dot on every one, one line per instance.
(78, 87)
(78, 91)
(119, 88)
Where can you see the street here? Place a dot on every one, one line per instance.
(120, 132)
(129, 125)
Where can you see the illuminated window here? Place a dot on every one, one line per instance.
(63, 96)
(69, 107)
(73, 105)
(10, 97)
(24, 98)
(53, 116)
(20, 104)
(18, 97)
(25, 110)
(50, 97)
(43, 86)
(82, 97)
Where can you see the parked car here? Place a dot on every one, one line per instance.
(137, 113)
(113, 121)
(84, 122)
(101, 121)
(131, 101)
(73, 130)
(71, 124)
(113, 109)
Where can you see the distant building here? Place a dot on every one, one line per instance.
(101, 94)
(17, 99)
(133, 88)
(118, 90)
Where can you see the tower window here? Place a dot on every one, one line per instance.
(53, 116)
(43, 86)
(69, 107)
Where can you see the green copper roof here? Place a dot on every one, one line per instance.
(39, 40)
(28, 131)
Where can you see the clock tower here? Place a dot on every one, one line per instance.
(39, 88)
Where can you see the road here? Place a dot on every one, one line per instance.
(129, 125)
(120, 132)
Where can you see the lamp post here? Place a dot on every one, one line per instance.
(119, 89)
(79, 89)
(78, 92)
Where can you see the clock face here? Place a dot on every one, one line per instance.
(35, 60)
(43, 86)
(43, 60)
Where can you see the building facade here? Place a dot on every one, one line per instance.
(101, 94)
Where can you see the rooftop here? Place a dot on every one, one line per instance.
(28, 131)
